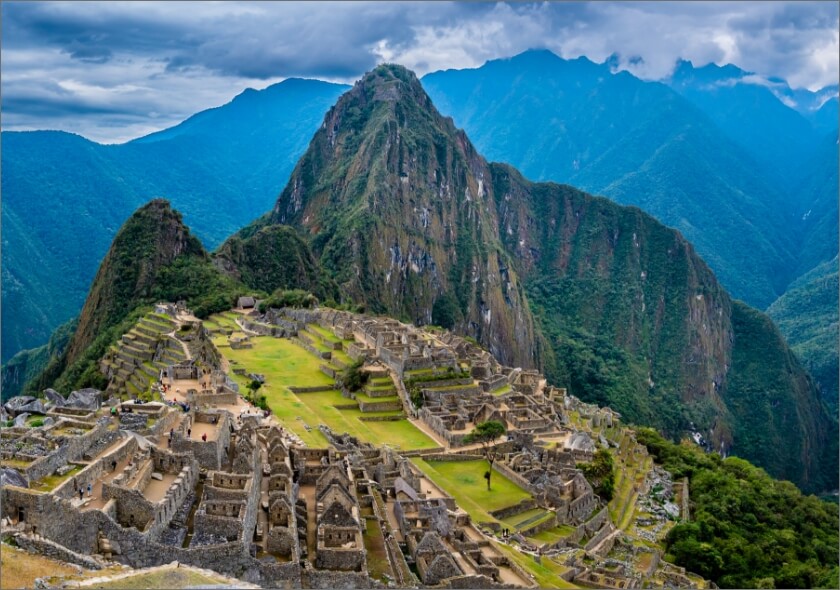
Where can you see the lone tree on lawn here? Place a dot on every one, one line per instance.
(253, 387)
(486, 433)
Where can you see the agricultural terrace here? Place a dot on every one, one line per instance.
(286, 364)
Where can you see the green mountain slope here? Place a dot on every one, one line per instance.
(807, 316)
(65, 197)
(405, 215)
(153, 257)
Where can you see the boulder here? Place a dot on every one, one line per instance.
(34, 407)
(56, 398)
(4, 415)
(48, 421)
(14, 405)
(85, 399)
(20, 419)
(12, 477)
(157, 476)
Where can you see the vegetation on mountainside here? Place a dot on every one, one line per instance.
(288, 298)
(774, 400)
(28, 364)
(807, 316)
(600, 474)
(747, 530)
(154, 257)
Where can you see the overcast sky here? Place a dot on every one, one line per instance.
(114, 71)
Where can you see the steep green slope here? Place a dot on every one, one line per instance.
(275, 257)
(404, 214)
(153, 257)
(26, 365)
(807, 316)
(65, 197)
(779, 421)
(639, 143)
(747, 530)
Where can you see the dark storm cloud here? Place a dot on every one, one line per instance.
(87, 66)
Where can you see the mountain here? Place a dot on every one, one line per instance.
(404, 214)
(65, 197)
(741, 104)
(153, 257)
(807, 315)
(394, 201)
(637, 142)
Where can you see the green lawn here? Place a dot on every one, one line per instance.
(323, 333)
(464, 481)
(553, 535)
(502, 390)
(377, 556)
(286, 364)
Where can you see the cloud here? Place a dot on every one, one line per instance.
(89, 66)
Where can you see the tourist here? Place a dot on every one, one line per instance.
(204, 437)
(81, 494)
(90, 490)
(189, 432)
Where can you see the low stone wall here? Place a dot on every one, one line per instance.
(315, 389)
(538, 528)
(394, 418)
(47, 548)
(453, 457)
(513, 476)
(522, 506)
(305, 344)
(91, 473)
(389, 406)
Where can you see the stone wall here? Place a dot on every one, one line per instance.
(47, 548)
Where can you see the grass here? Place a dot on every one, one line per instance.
(20, 569)
(464, 481)
(323, 333)
(286, 364)
(526, 519)
(551, 536)
(502, 390)
(377, 557)
(50, 482)
(546, 573)
(166, 578)
(16, 463)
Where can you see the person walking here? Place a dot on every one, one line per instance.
(81, 494)
(90, 490)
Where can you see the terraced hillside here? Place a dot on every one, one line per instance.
(135, 361)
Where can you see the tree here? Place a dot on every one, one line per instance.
(253, 387)
(486, 433)
(600, 474)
